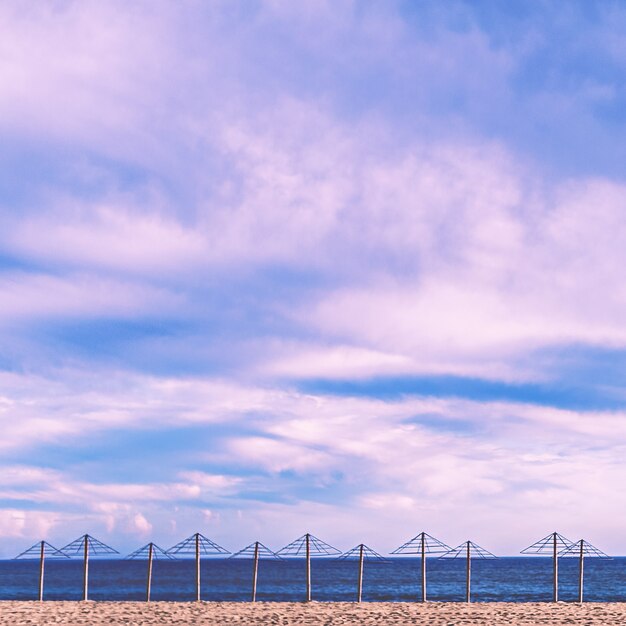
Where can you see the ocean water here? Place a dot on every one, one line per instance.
(512, 579)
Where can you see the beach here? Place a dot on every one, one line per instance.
(430, 614)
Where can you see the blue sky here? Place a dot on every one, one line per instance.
(353, 268)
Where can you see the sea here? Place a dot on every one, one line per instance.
(506, 579)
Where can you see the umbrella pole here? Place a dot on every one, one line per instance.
(555, 568)
(41, 569)
(149, 583)
(468, 574)
(360, 592)
(197, 567)
(308, 568)
(423, 568)
(581, 570)
(86, 569)
(255, 570)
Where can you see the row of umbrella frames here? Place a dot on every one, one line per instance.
(306, 547)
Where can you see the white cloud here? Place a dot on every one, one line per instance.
(141, 525)
(402, 234)
(31, 296)
(55, 487)
(421, 460)
(279, 455)
(99, 85)
(108, 237)
(336, 361)
(491, 292)
(29, 525)
(414, 245)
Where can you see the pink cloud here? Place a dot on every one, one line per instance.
(28, 296)
(108, 237)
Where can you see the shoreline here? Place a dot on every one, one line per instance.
(98, 613)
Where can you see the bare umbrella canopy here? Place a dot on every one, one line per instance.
(197, 545)
(551, 544)
(308, 545)
(423, 544)
(467, 550)
(150, 552)
(41, 550)
(255, 551)
(87, 546)
(582, 549)
(361, 553)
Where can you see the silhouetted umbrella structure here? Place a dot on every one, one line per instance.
(468, 549)
(87, 545)
(423, 544)
(362, 553)
(197, 545)
(41, 550)
(551, 544)
(149, 552)
(581, 549)
(255, 551)
(307, 546)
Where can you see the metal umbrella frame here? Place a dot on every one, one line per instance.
(257, 552)
(308, 545)
(423, 544)
(362, 553)
(582, 549)
(467, 550)
(41, 550)
(87, 545)
(550, 544)
(150, 552)
(197, 545)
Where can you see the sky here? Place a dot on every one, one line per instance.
(349, 268)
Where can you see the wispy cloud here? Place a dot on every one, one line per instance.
(229, 233)
(382, 456)
(106, 238)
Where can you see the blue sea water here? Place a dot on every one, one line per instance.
(512, 579)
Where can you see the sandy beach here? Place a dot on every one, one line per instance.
(431, 614)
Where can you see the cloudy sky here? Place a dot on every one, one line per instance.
(353, 268)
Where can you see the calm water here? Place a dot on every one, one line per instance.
(515, 579)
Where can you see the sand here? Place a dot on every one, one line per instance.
(431, 614)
